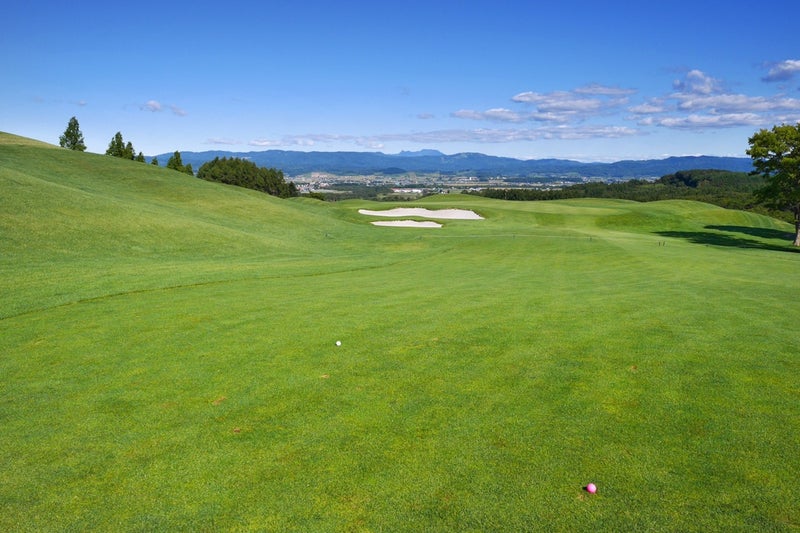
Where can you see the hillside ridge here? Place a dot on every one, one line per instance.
(294, 162)
(425, 161)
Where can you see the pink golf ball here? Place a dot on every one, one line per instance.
(591, 488)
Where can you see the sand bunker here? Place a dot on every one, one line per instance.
(452, 214)
(407, 223)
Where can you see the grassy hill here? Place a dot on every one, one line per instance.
(169, 360)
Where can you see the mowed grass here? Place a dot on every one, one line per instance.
(168, 361)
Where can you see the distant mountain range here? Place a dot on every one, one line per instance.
(293, 163)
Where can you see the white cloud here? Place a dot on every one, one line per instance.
(697, 82)
(497, 114)
(647, 108)
(559, 101)
(577, 105)
(592, 132)
(502, 114)
(266, 143)
(700, 122)
(487, 135)
(783, 71)
(218, 140)
(734, 103)
(426, 116)
(698, 102)
(596, 88)
(303, 140)
(371, 143)
(784, 118)
(468, 114)
(152, 106)
(480, 135)
(709, 106)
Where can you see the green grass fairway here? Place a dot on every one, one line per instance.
(168, 361)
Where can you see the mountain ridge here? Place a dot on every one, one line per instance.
(466, 163)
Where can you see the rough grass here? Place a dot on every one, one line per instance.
(169, 361)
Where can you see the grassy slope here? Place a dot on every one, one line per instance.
(86, 225)
(169, 360)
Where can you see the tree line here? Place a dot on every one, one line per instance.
(772, 188)
(243, 173)
(72, 139)
(232, 171)
(732, 190)
(119, 148)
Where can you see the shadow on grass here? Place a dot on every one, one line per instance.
(733, 237)
(764, 233)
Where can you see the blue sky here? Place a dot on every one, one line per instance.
(592, 81)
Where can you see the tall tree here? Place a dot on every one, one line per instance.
(776, 156)
(117, 146)
(72, 138)
(175, 162)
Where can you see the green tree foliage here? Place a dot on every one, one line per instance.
(72, 138)
(176, 163)
(154, 161)
(243, 173)
(732, 190)
(118, 148)
(776, 157)
(316, 196)
(140, 158)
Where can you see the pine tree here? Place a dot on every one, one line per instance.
(154, 161)
(140, 158)
(72, 138)
(175, 162)
(117, 146)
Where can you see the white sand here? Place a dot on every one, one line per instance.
(407, 224)
(453, 214)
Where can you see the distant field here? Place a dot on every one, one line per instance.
(168, 360)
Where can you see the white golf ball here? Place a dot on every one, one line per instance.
(338, 343)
